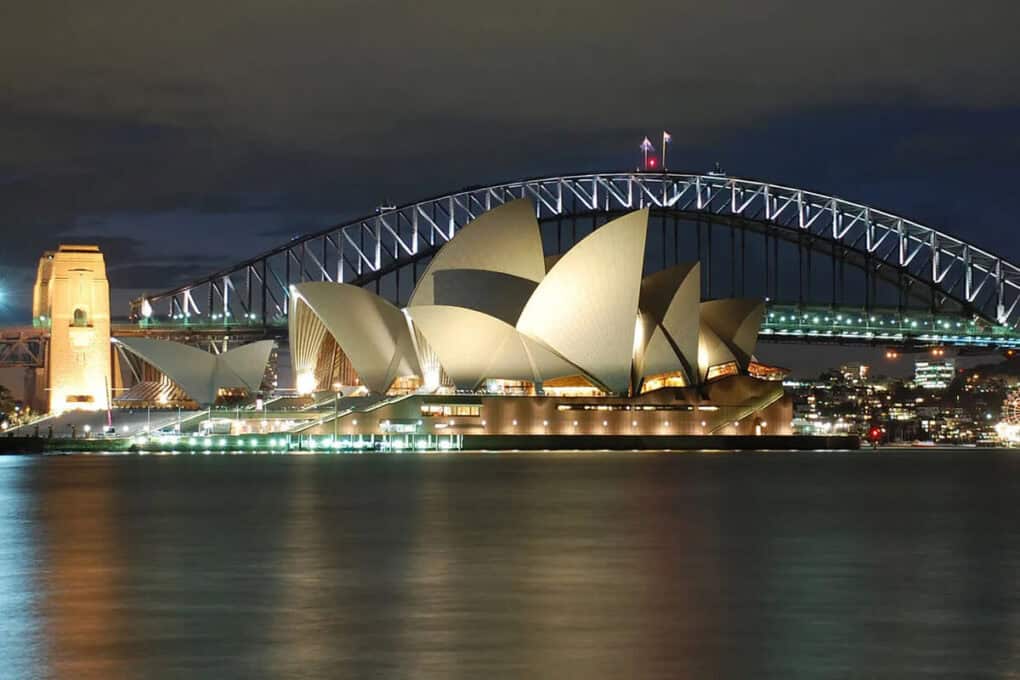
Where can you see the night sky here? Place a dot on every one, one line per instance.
(184, 136)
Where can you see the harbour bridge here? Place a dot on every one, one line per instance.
(830, 270)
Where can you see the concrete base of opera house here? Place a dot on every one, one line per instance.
(466, 443)
(735, 405)
(659, 443)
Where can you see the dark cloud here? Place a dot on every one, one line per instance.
(294, 229)
(156, 276)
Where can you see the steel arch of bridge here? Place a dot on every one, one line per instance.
(256, 292)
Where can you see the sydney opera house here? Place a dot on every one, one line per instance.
(499, 339)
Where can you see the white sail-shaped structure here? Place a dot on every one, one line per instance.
(370, 331)
(200, 374)
(473, 347)
(586, 306)
(667, 339)
(491, 306)
(737, 322)
(505, 239)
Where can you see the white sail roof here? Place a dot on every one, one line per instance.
(585, 307)
(712, 352)
(505, 239)
(473, 346)
(201, 374)
(736, 321)
(371, 331)
(669, 316)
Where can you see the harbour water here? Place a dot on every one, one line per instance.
(561, 565)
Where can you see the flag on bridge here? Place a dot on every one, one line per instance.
(647, 148)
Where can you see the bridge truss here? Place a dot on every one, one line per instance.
(23, 347)
(812, 256)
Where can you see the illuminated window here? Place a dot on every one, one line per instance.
(570, 386)
(446, 410)
(405, 385)
(624, 407)
(515, 387)
(661, 380)
(81, 318)
(764, 372)
(722, 370)
(231, 392)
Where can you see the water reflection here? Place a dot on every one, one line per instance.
(580, 565)
(300, 640)
(21, 640)
(80, 572)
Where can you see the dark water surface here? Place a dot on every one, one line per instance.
(560, 565)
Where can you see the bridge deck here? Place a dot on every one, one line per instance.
(782, 323)
(883, 327)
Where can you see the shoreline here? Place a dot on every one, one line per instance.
(424, 443)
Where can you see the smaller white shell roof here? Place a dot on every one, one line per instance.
(371, 331)
(199, 373)
(736, 321)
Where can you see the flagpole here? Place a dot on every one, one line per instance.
(664, 151)
(646, 146)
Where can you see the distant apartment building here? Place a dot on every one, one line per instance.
(934, 375)
(854, 373)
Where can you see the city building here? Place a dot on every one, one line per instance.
(934, 374)
(854, 373)
(978, 407)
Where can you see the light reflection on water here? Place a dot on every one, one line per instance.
(20, 638)
(553, 565)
